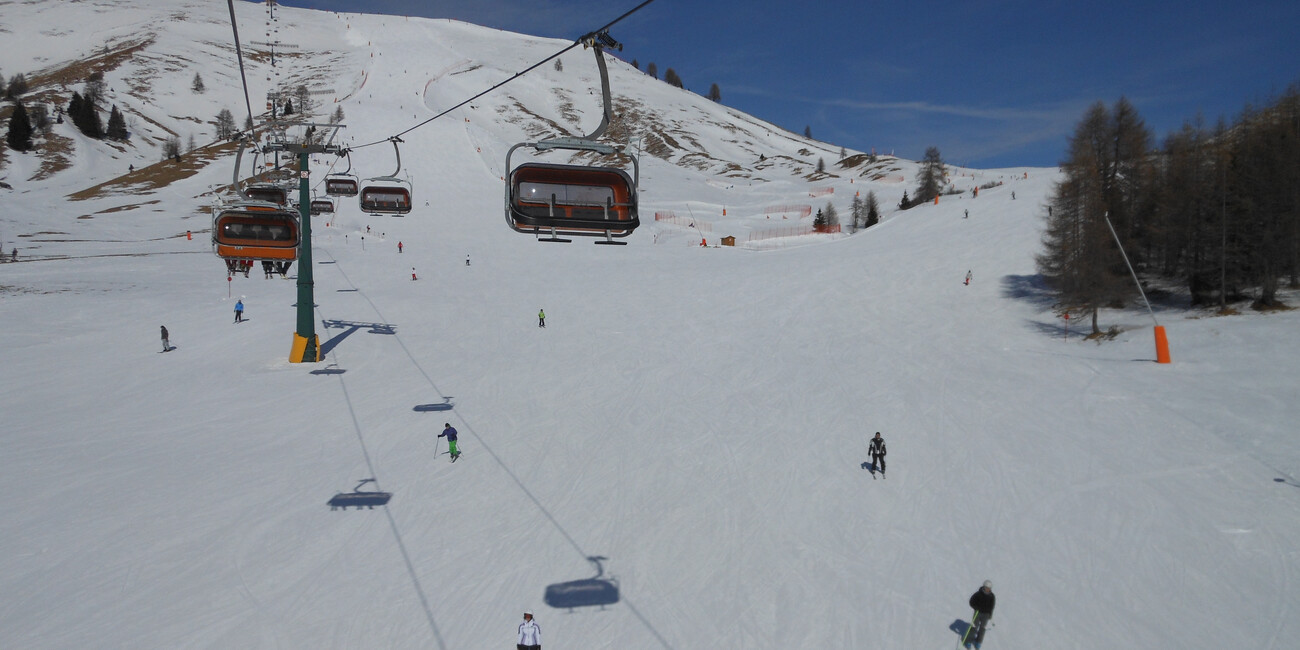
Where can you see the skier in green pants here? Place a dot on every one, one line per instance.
(450, 433)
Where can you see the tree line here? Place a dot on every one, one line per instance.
(1214, 209)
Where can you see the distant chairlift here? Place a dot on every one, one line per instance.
(387, 194)
(253, 229)
(321, 206)
(548, 200)
(342, 184)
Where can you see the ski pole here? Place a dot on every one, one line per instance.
(973, 614)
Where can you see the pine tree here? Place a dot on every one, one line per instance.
(873, 209)
(905, 203)
(856, 211)
(671, 78)
(116, 125)
(821, 166)
(819, 221)
(288, 107)
(304, 100)
(17, 87)
(635, 64)
(19, 137)
(715, 93)
(807, 132)
(225, 124)
(1080, 261)
(172, 148)
(652, 70)
(3, 87)
(929, 178)
(831, 215)
(338, 115)
(197, 85)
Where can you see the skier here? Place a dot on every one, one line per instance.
(967, 278)
(166, 346)
(239, 311)
(449, 432)
(530, 634)
(541, 318)
(967, 216)
(877, 448)
(413, 273)
(399, 247)
(982, 602)
(467, 260)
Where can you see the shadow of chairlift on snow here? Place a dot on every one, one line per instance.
(359, 499)
(445, 405)
(350, 327)
(331, 369)
(591, 592)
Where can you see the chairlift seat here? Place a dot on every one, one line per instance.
(340, 186)
(385, 196)
(572, 200)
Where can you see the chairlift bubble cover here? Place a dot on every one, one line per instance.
(572, 199)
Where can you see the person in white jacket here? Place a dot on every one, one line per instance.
(530, 634)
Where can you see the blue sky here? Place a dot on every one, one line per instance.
(992, 84)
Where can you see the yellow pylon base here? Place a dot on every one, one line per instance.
(301, 347)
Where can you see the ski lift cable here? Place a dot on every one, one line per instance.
(239, 54)
(584, 40)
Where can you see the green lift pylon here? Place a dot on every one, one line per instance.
(306, 344)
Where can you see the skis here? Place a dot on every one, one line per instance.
(455, 456)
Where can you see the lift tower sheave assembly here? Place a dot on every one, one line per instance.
(306, 344)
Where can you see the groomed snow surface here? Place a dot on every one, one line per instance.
(696, 417)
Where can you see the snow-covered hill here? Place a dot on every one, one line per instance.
(696, 417)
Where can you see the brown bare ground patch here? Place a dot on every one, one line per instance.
(56, 156)
(157, 175)
(79, 71)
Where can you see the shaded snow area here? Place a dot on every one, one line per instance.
(694, 417)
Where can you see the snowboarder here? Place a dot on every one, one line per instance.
(967, 215)
(967, 278)
(877, 448)
(239, 311)
(399, 247)
(449, 432)
(982, 602)
(541, 318)
(413, 273)
(166, 345)
(530, 634)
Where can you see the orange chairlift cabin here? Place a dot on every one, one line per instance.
(343, 183)
(253, 229)
(386, 194)
(549, 200)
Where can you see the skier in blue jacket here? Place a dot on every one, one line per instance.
(449, 432)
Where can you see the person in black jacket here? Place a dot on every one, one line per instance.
(877, 449)
(982, 602)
